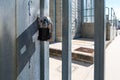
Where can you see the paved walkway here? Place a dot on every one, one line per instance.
(112, 61)
(84, 71)
(80, 70)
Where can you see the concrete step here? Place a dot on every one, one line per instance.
(81, 50)
(85, 57)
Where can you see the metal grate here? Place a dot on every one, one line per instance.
(87, 50)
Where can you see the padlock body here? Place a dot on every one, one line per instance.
(44, 34)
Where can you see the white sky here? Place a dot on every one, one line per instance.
(115, 4)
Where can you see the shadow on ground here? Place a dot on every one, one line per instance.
(75, 62)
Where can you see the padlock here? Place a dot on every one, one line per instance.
(44, 29)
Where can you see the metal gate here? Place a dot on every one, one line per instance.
(23, 57)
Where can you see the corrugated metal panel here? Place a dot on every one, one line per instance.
(74, 6)
(76, 18)
(79, 17)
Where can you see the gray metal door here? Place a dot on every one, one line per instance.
(7, 40)
(19, 47)
(28, 47)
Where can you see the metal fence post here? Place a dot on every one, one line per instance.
(66, 39)
(44, 45)
(99, 39)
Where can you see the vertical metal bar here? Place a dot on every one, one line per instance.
(44, 45)
(66, 39)
(82, 11)
(44, 60)
(41, 7)
(99, 39)
(109, 13)
(91, 10)
(111, 25)
(111, 16)
(55, 20)
(86, 11)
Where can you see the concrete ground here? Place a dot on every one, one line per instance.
(80, 70)
(112, 64)
(85, 71)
